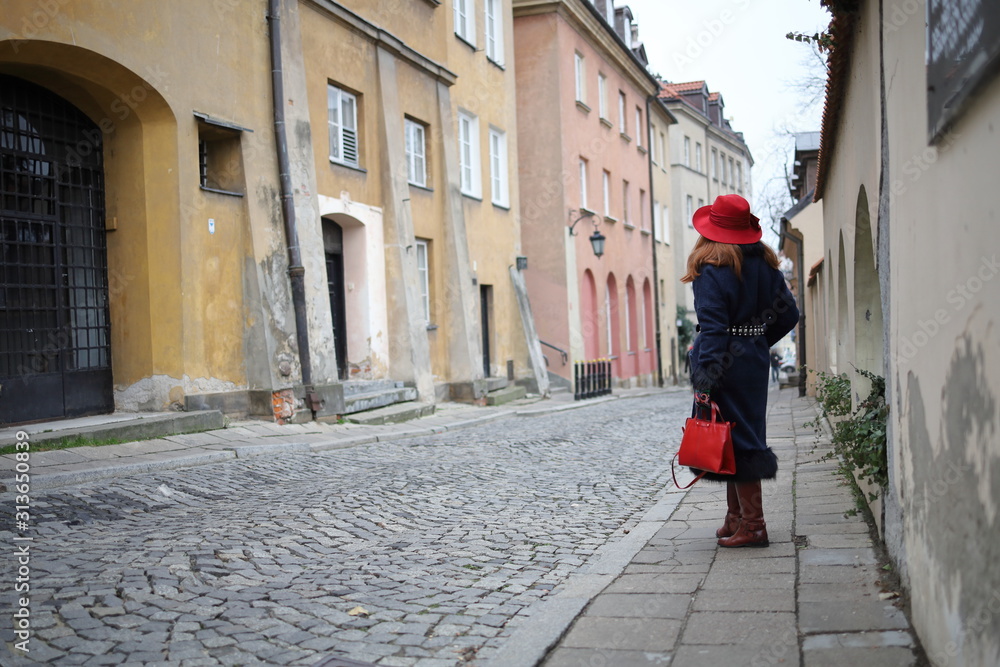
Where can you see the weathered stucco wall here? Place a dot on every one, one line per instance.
(185, 319)
(934, 237)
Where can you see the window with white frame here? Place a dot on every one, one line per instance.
(732, 174)
(494, 31)
(687, 151)
(652, 145)
(342, 122)
(739, 176)
(468, 154)
(638, 126)
(701, 202)
(722, 157)
(690, 210)
(697, 157)
(715, 164)
(656, 218)
(498, 168)
(423, 278)
(606, 186)
(664, 158)
(583, 183)
(609, 8)
(622, 126)
(416, 153)
(626, 214)
(580, 74)
(602, 95)
(665, 225)
(465, 20)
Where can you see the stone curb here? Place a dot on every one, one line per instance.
(550, 619)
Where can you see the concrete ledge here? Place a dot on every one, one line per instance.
(505, 395)
(393, 414)
(139, 428)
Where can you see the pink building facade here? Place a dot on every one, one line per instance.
(583, 157)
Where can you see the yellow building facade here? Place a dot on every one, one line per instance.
(145, 253)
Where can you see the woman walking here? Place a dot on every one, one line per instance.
(743, 307)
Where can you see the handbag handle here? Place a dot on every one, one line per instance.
(702, 400)
(674, 474)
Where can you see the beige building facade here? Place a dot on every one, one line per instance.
(906, 184)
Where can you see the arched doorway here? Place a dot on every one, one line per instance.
(868, 328)
(55, 337)
(591, 335)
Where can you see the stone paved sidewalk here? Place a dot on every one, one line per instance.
(813, 598)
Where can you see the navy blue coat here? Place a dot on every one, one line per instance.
(735, 369)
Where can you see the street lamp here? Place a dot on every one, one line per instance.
(596, 239)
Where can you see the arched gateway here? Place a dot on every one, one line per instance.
(55, 348)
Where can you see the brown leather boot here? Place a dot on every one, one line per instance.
(732, 520)
(752, 531)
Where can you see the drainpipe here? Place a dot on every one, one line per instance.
(652, 221)
(296, 272)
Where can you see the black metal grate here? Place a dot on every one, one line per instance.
(53, 264)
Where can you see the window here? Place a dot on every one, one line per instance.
(220, 161)
(663, 149)
(638, 126)
(626, 216)
(622, 127)
(715, 164)
(342, 121)
(468, 154)
(609, 8)
(732, 173)
(642, 209)
(687, 151)
(580, 74)
(423, 278)
(739, 176)
(697, 157)
(722, 156)
(606, 185)
(665, 225)
(583, 183)
(416, 153)
(690, 211)
(602, 95)
(498, 168)
(701, 202)
(656, 218)
(465, 21)
(494, 31)
(652, 145)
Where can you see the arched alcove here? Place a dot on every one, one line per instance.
(591, 333)
(868, 345)
(843, 324)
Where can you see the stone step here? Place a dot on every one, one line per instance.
(558, 390)
(496, 384)
(354, 387)
(505, 395)
(378, 399)
(392, 414)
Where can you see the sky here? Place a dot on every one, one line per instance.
(739, 48)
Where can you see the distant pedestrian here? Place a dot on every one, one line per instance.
(775, 365)
(743, 307)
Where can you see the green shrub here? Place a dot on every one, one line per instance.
(860, 438)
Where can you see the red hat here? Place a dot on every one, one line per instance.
(728, 220)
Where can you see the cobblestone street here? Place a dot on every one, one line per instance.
(426, 551)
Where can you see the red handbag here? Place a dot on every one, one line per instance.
(707, 444)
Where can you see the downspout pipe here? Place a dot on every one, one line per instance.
(296, 272)
(652, 222)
